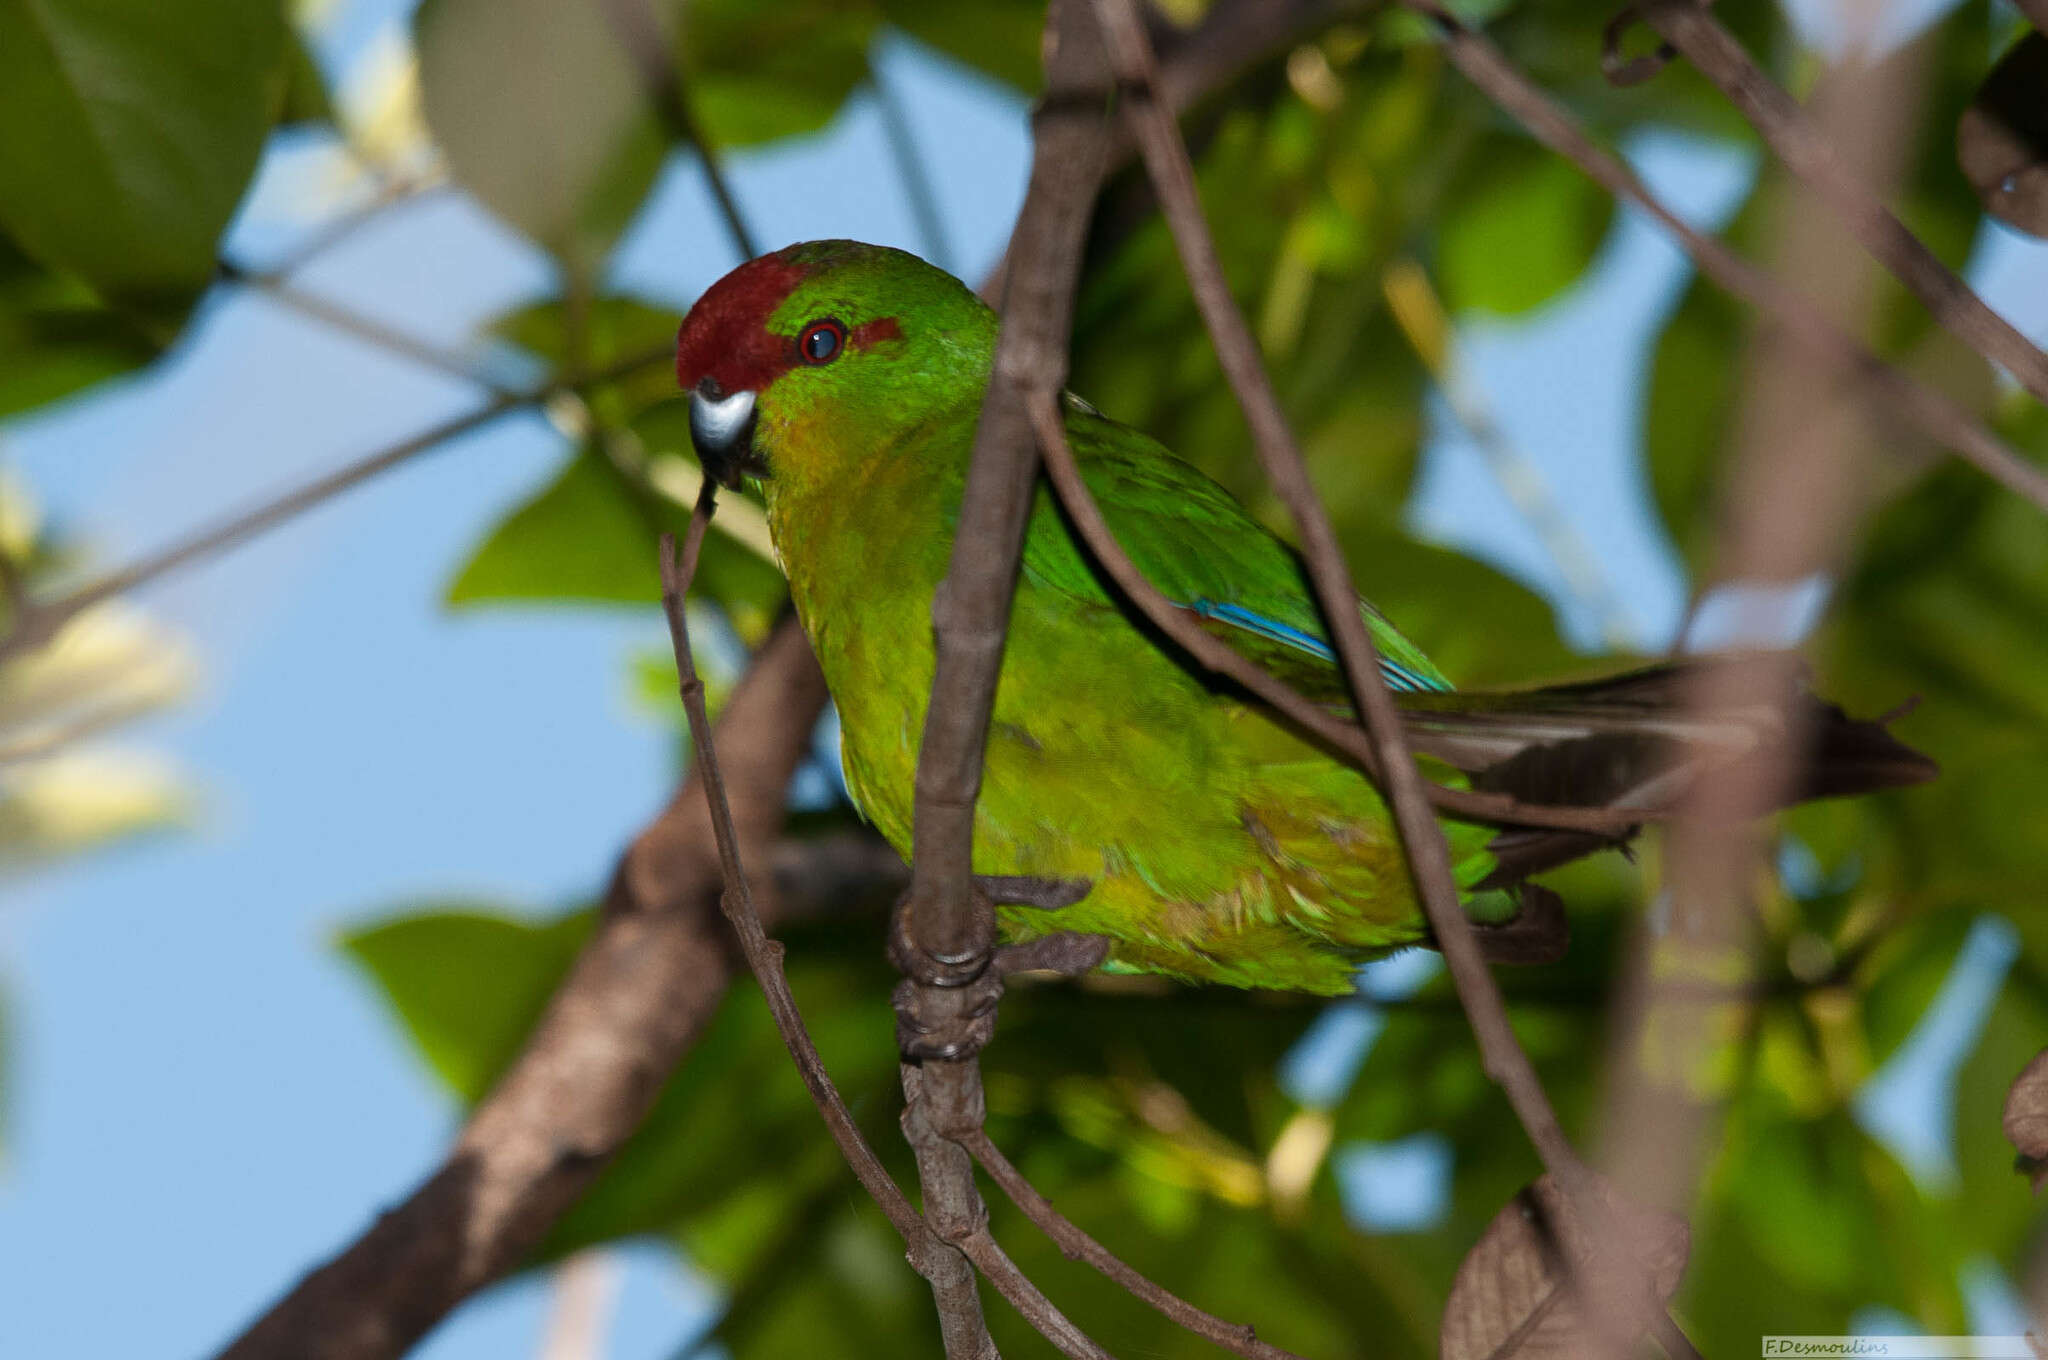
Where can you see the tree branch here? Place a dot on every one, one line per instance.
(1788, 131)
(1941, 419)
(638, 995)
(949, 928)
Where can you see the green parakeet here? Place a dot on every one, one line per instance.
(1221, 844)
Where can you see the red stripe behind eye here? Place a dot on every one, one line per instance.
(874, 332)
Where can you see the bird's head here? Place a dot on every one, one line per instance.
(802, 363)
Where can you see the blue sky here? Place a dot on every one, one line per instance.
(204, 1100)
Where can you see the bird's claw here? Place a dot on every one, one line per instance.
(1024, 890)
(945, 1010)
(1067, 953)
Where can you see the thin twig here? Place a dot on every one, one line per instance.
(1016, 1287)
(1428, 856)
(40, 622)
(910, 170)
(1948, 424)
(1791, 134)
(1079, 1246)
(638, 30)
(389, 194)
(764, 956)
(1789, 498)
(1422, 839)
(952, 1282)
(365, 328)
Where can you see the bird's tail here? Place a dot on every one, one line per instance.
(1634, 742)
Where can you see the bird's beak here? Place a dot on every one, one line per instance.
(722, 429)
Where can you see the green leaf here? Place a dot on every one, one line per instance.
(603, 332)
(542, 115)
(305, 97)
(467, 985)
(128, 132)
(56, 337)
(1688, 413)
(1521, 226)
(760, 70)
(999, 38)
(589, 535)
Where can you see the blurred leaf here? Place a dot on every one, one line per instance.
(305, 97)
(1513, 1295)
(1997, 1213)
(467, 985)
(1830, 1220)
(56, 337)
(542, 115)
(602, 332)
(764, 69)
(1693, 391)
(128, 132)
(997, 37)
(1522, 224)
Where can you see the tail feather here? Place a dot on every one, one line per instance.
(1632, 742)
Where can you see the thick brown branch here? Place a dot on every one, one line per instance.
(1485, 66)
(1791, 134)
(638, 996)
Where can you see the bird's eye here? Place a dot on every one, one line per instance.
(821, 342)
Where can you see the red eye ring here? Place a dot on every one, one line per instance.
(821, 342)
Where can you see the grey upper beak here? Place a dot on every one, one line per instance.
(722, 429)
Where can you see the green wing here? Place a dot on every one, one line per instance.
(1205, 553)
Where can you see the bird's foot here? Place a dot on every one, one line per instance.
(947, 1011)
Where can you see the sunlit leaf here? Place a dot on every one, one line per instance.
(467, 985)
(542, 115)
(590, 535)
